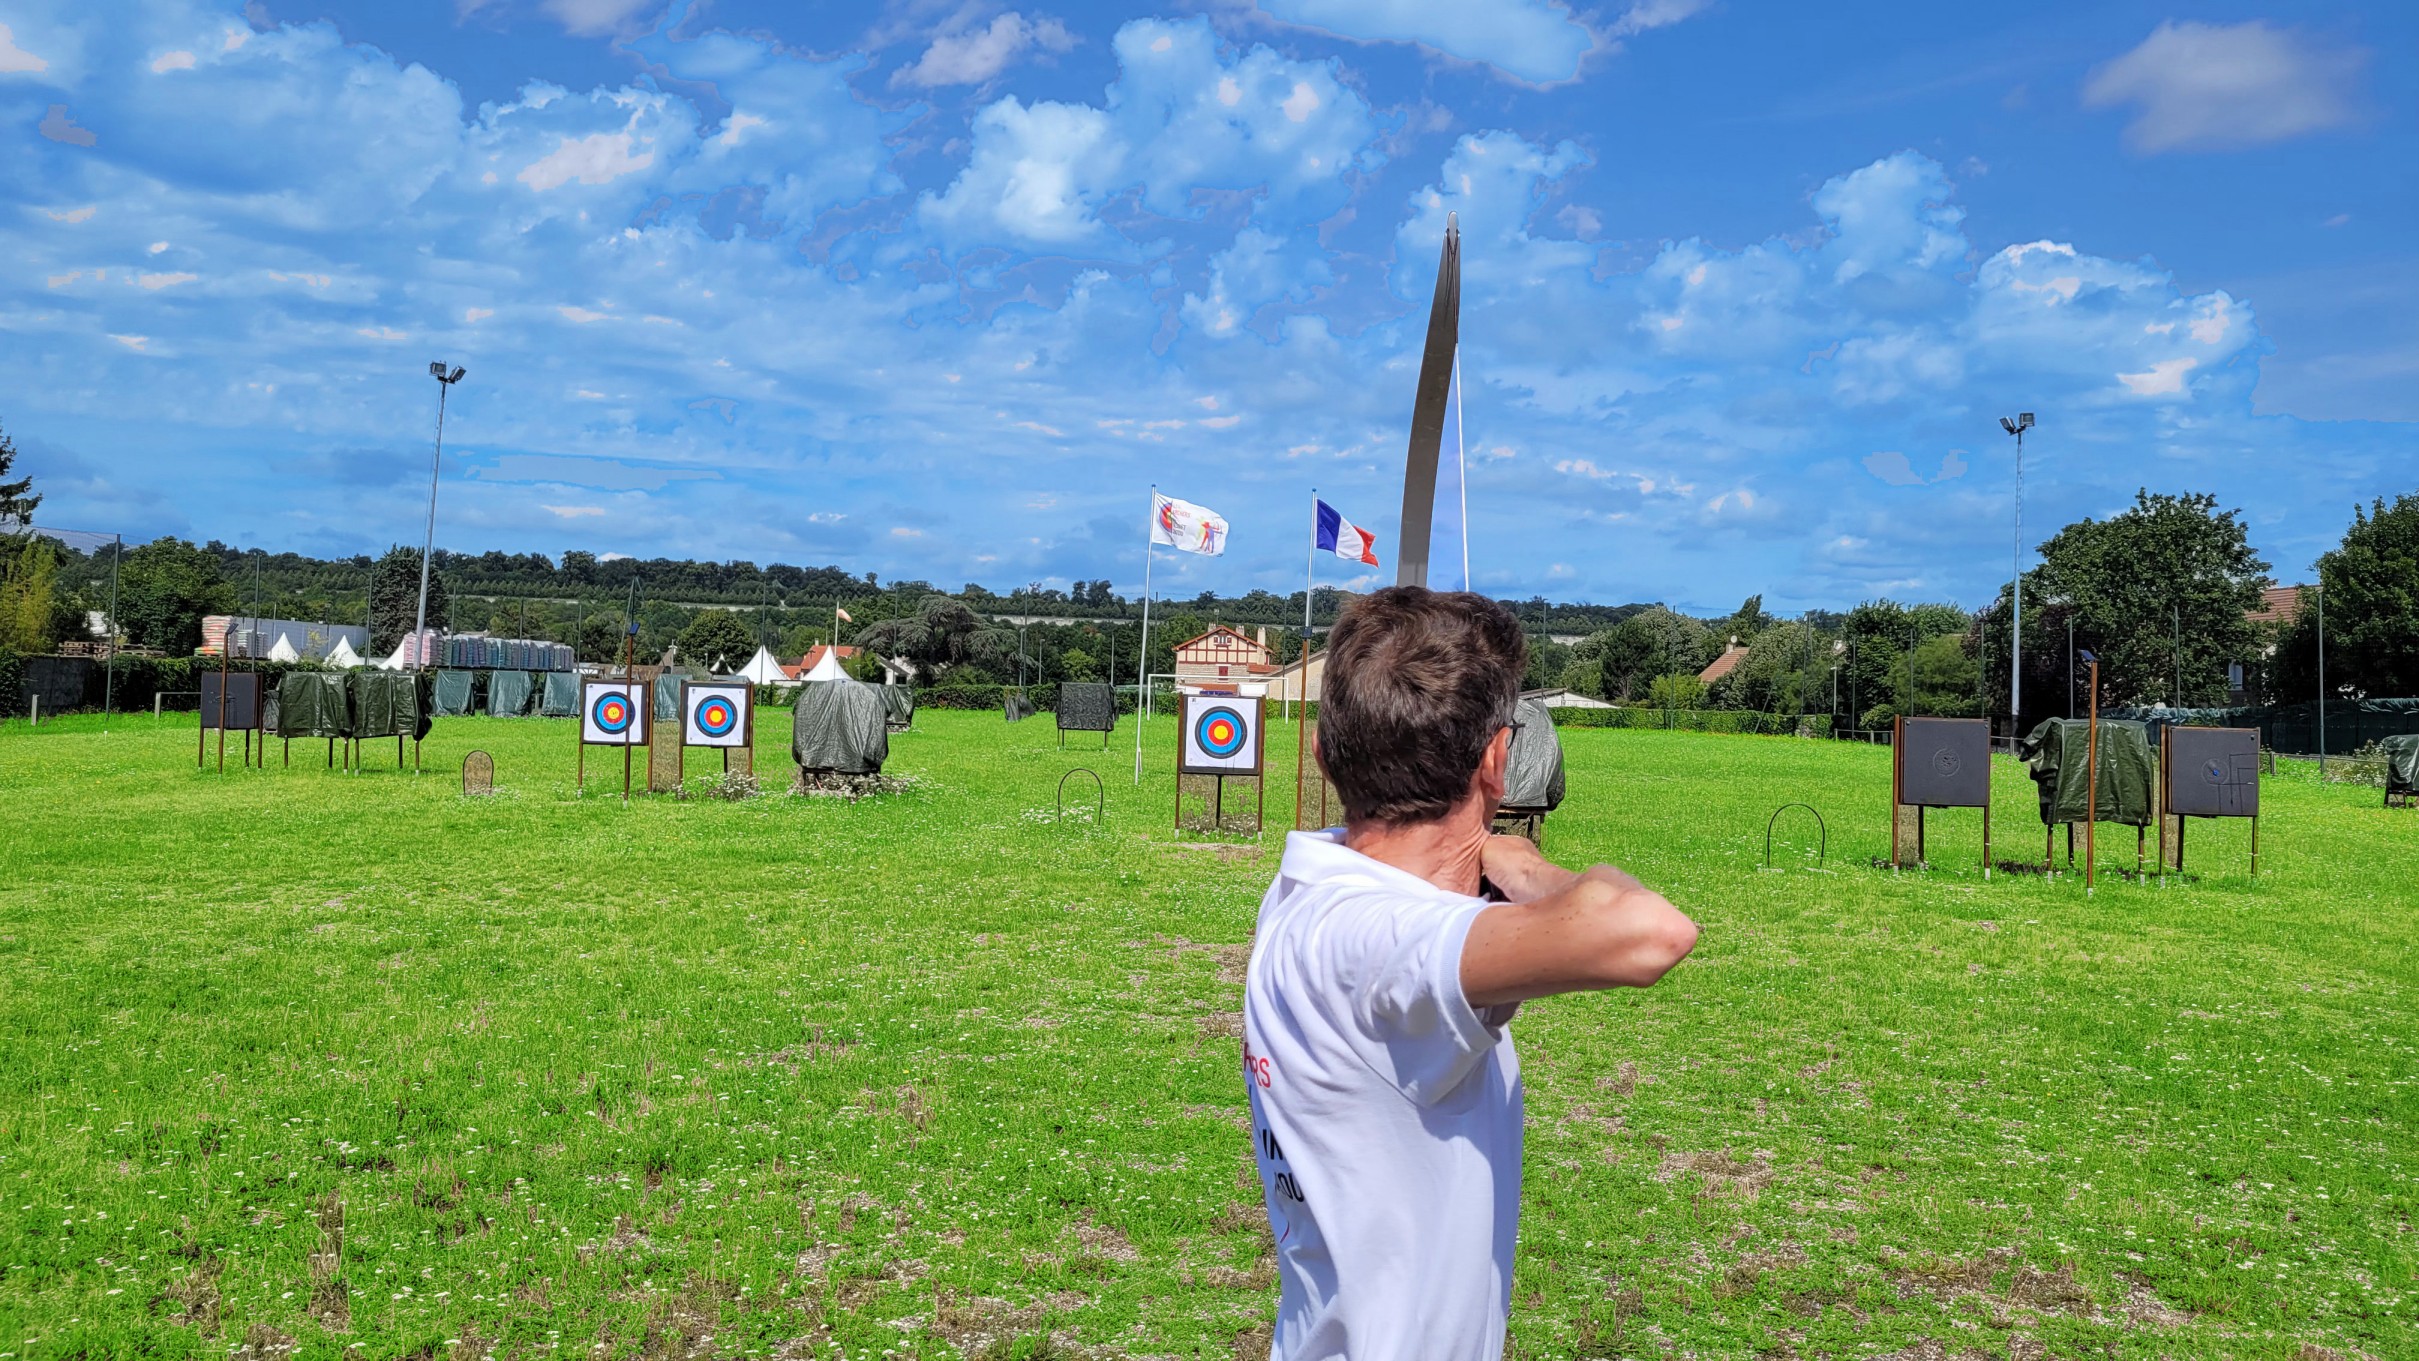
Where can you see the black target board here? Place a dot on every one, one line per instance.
(1944, 763)
(2212, 772)
(240, 692)
(1086, 706)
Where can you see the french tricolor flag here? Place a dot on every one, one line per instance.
(1344, 538)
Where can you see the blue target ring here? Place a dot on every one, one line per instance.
(613, 712)
(1219, 732)
(717, 716)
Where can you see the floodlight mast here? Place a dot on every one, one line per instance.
(428, 546)
(2022, 422)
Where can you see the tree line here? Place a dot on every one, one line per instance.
(2162, 593)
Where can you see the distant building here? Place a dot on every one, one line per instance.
(1723, 665)
(1224, 656)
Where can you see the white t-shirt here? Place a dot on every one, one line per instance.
(1385, 1114)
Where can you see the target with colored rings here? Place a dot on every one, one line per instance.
(717, 716)
(613, 713)
(1220, 732)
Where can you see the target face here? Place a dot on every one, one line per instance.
(1221, 735)
(2215, 772)
(613, 713)
(715, 715)
(1944, 762)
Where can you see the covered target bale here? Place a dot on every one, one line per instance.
(898, 706)
(839, 728)
(453, 693)
(392, 704)
(2058, 756)
(1086, 706)
(509, 693)
(561, 695)
(1533, 780)
(2401, 770)
(314, 704)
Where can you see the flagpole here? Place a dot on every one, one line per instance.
(1142, 664)
(1309, 585)
(1461, 465)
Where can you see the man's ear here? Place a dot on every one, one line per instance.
(1494, 767)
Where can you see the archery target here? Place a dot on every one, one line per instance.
(613, 713)
(2214, 772)
(1221, 735)
(715, 715)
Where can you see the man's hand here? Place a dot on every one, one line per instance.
(1566, 932)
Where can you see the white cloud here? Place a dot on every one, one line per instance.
(1539, 41)
(2165, 378)
(155, 282)
(59, 127)
(135, 343)
(380, 333)
(172, 61)
(591, 18)
(599, 158)
(1648, 15)
(15, 60)
(475, 315)
(1041, 172)
(903, 532)
(2199, 87)
(582, 315)
(972, 56)
(575, 513)
(73, 215)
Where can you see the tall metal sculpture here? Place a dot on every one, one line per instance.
(1428, 411)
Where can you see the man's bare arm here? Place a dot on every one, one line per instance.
(1566, 932)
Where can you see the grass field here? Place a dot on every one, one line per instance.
(352, 1065)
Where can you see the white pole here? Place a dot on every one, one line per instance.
(1310, 557)
(2015, 592)
(1142, 665)
(1461, 466)
(428, 546)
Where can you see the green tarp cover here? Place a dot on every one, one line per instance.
(2402, 762)
(667, 694)
(1534, 779)
(509, 693)
(899, 704)
(391, 704)
(562, 695)
(838, 726)
(453, 694)
(314, 704)
(2058, 755)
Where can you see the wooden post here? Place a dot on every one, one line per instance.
(2091, 796)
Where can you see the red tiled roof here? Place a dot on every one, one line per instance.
(814, 654)
(2277, 605)
(1723, 665)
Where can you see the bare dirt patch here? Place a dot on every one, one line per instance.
(331, 1301)
(1722, 1174)
(1100, 1240)
(1232, 960)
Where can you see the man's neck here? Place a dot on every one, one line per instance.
(1445, 852)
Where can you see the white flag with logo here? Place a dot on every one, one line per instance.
(1181, 524)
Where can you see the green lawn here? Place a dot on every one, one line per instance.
(355, 1063)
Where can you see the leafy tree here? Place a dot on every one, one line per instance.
(600, 637)
(164, 589)
(29, 589)
(1078, 665)
(2372, 607)
(718, 640)
(1679, 690)
(395, 598)
(1778, 675)
(1650, 643)
(1583, 678)
(1745, 623)
(1547, 661)
(2170, 565)
(942, 634)
(17, 501)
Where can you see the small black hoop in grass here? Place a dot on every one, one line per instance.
(1822, 846)
(1100, 810)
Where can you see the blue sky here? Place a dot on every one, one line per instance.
(940, 290)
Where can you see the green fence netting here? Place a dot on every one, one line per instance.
(509, 693)
(561, 695)
(453, 694)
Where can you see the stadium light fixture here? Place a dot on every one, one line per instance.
(428, 546)
(2016, 426)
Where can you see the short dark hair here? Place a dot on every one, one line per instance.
(1417, 683)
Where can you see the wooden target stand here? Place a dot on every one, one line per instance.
(1937, 763)
(1209, 771)
(633, 692)
(2206, 773)
(742, 741)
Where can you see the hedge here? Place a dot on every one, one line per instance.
(1746, 721)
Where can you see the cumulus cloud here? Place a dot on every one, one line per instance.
(1182, 117)
(15, 60)
(58, 127)
(1539, 41)
(590, 18)
(598, 158)
(2207, 87)
(972, 56)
